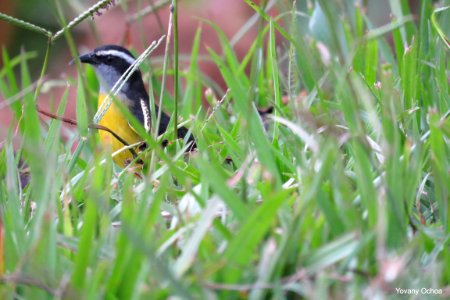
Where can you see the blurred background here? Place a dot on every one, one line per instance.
(116, 25)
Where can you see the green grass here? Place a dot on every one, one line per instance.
(342, 192)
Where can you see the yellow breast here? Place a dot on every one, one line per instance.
(116, 122)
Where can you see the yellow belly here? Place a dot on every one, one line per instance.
(116, 122)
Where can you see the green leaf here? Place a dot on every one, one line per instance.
(218, 181)
(332, 252)
(81, 108)
(241, 250)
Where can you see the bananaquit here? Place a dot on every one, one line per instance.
(110, 62)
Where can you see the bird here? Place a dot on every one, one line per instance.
(110, 62)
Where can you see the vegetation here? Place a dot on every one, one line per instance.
(341, 192)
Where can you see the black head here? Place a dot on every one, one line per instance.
(112, 55)
(110, 62)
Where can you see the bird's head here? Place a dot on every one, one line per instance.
(110, 63)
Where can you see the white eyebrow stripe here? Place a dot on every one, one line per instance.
(122, 55)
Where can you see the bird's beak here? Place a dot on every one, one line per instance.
(88, 58)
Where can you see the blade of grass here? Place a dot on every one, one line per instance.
(241, 249)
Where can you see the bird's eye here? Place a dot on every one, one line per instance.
(109, 58)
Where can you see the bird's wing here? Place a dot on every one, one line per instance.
(138, 104)
(141, 110)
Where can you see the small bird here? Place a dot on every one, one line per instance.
(110, 62)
